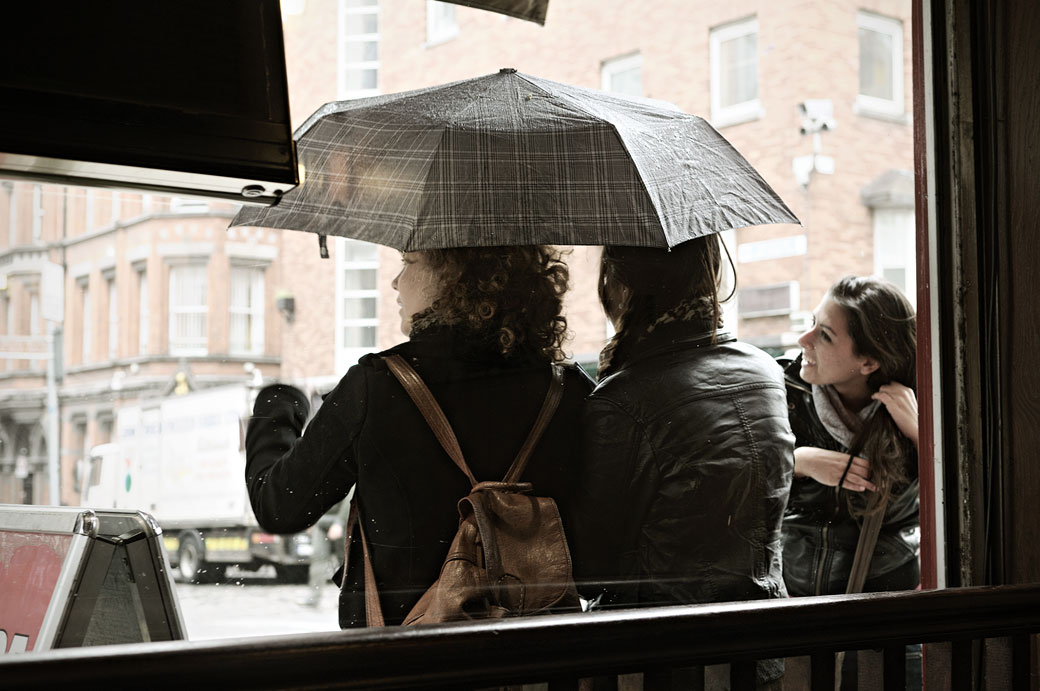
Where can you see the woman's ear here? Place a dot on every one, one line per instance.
(868, 366)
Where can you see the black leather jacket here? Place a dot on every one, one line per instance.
(687, 463)
(820, 535)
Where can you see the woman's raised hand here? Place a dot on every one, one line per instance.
(901, 403)
(827, 467)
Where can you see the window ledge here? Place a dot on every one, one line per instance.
(738, 117)
(868, 111)
(440, 40)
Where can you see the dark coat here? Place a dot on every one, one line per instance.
(687, 462)
(820, 534)
(370, 432)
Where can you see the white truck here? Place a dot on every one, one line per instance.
(182, 459)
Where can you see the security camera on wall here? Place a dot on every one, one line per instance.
(817, 115)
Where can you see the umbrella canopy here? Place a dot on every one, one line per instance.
(531, 10)
(511, 159)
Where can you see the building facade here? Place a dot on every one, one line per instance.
(159, 296)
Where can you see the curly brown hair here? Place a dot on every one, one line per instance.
(508, 299)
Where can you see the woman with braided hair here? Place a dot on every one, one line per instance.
(686, 449)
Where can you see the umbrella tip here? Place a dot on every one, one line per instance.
(507, 70)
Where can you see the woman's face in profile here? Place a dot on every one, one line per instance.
(415, 288)
(828, 353)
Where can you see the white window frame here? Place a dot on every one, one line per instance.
(790, 307)
(345, 10)
(437, 29)
(113, 318)
(347, 355)
(142, 312)
(738, 112)
(613, 66)
(180, 345)
(871, 105)
(885, 220)
(253, 311)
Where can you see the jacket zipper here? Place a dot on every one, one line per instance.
(826, 548)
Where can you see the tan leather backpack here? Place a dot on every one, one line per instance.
(510, 555)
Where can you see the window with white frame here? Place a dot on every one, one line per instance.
(142, 313)
(357, 296)
(86, 335)
(880, 65)
(734, 73)
(895, 249)
(441, 24)
(246, 311)
(623, 75)
(358, 48)
(113, 319)
(188, 309)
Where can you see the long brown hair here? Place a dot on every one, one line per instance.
(508, 300)
(883, 326)
(641, 287)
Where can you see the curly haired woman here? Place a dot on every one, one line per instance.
(484, 324)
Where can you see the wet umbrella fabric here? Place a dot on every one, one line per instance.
(531, 10)
(513, 159)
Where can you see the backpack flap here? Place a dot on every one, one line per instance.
(526, 555)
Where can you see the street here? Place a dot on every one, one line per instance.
(253, 604)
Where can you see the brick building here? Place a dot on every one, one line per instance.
(157, 293)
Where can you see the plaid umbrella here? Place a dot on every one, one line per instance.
(512, 159)
(531, 10)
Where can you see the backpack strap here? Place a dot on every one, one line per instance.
(427, 404)
(552, 402)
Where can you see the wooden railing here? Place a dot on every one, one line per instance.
(564, 647)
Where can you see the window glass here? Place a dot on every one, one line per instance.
(205, 306)
(623, 75)
(734, 73)
(881, 65)
(358, 70)
(142, 313)
(441, 24)
(247, 310)
(188, 309)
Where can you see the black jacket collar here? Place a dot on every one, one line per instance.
(669, 338)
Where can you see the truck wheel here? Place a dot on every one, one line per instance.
(190, 563)
(291, 573)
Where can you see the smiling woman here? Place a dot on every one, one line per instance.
(854, 415)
